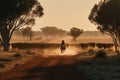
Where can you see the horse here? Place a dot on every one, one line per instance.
(63, 46)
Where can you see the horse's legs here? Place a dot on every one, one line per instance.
(61, 50)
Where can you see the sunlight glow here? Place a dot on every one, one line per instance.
(66, 14)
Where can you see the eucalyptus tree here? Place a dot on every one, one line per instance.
(106, 14)
(27, 32)
(15, 14)
(75, 33)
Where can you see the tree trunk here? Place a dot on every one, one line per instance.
(116, 46)
(74, 38)
(5, 41)
(6, 45)
(30, 37)
(117, 49)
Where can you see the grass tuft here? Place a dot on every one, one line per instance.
(16, 55)
(101, 54)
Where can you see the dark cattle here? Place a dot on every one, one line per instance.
(104, 45)
(108, 46)
(34, 45)
(99, 45)
(92, 45)
(84, 45)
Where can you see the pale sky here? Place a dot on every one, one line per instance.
(66, 14)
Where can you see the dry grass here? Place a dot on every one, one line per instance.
(95, 39)
(82, 39)
(11, 59)
(101, 68)
(94, 68)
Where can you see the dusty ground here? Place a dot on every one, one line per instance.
(86, 37)
(46, 68)
(50, 64)
(11, 59)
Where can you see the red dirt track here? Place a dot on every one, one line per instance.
(46, 68)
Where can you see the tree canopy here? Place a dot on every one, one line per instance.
(106, 14)
(15, 14)
(75, 32)
(53, 31)
(27, 32)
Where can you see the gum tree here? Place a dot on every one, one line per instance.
(75, 33)
(106, 14)
(27, 32)
(15, 14)
(53, 31)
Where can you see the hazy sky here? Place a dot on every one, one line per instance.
(66, 14)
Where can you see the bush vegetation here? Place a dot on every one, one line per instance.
(101, 54)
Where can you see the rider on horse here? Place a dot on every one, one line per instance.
(63, 46)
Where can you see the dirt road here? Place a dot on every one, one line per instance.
(46, 68)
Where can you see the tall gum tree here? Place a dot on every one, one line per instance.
(15, 14)
(106, 14)
(75, 33)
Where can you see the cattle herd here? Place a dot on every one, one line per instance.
(56, 45)
(33, 45)
(97, 45)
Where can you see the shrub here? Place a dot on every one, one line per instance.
(29, 52)
(2, 65)
(17, 55)
(101, 54)
(5, 59)
(91, 51)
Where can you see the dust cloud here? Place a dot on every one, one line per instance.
(70, 51)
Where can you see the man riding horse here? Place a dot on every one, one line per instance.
(63, 46)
